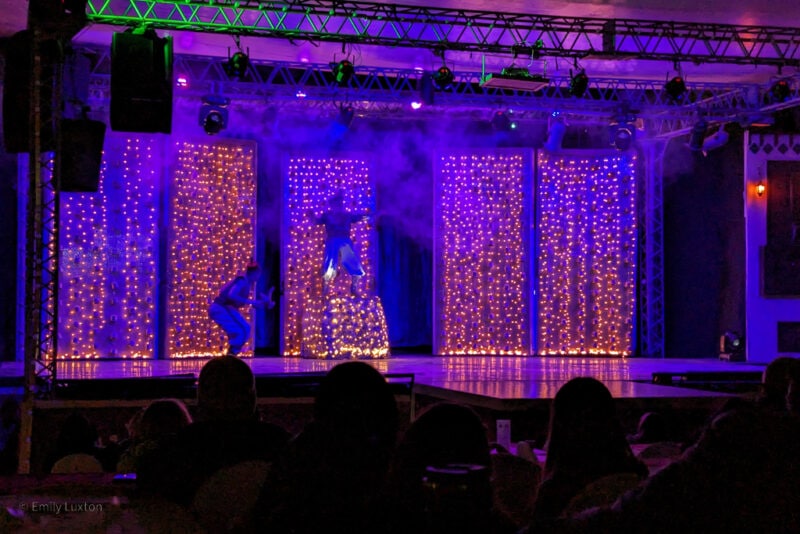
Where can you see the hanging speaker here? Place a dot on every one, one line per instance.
(141, 82)
(81, 155)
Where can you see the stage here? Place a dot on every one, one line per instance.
(494, 380)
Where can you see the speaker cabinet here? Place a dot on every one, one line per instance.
(81, 155)
(141, 83)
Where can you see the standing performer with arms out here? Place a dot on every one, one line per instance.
(232, 297)
(339, 247)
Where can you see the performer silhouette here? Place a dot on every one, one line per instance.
(339, 249)
(233, 296)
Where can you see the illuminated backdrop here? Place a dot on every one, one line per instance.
(337, 326)
(482, 260)
(109, 252)
(212, 238)
(587, 253)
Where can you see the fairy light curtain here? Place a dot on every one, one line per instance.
(481, 253)
(108, 256)
(335, 325)
(586, 236)
(212, 220)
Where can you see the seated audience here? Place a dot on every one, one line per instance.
(793, 391)
(9, 436)
(439, 480)
(775, 383)
(331, 472)
(162, 419)
(740, 477)
(651, 429)
(585, 443)
(77, 450)
(226, 431)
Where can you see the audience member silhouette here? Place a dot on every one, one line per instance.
(226, 431)
(775, 383)
(740, 477)
(329, 477)
(651, 429)
(162, 419)
(9, 436)
(78, 439)
(585, 443)
(439, 478)
(793, 390)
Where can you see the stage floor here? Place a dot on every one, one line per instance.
(499, 378)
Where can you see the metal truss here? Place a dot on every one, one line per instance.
(388, 91)
(41, 253)
(651, 252)
(459, 29)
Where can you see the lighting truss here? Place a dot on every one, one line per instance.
(387, 91)
(459, 29)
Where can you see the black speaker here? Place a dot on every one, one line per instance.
(16, 93)
(141, 82)
(81, 154)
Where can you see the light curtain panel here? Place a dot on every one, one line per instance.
(482, 252)
(586, 234)
(212, 222)
(109, 256)
(336, 324)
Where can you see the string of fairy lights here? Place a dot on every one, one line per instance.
(587, 254)
(333, 325)
(109, 248)
(585, 231)
(344, 327)
(481, 255)
(212, 238)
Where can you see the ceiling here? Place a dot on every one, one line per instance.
(747, 12)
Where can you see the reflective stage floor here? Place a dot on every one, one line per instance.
(502, 379)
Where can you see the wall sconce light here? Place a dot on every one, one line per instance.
(761, 188)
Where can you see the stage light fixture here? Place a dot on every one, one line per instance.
(443, 78)
(578, 83)
(557, 127)
(622, 130)
(675, 88)
(345, 117)
(426, 89)
(716, 140)
(732, 347)
(343, 71)
(698, 135)
(214, 114)
(781, 90)
(236, 66)
(501, 122)
(623, 136)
